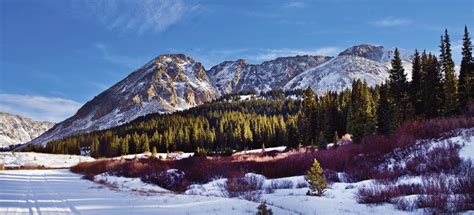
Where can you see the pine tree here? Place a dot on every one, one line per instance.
(361, 119)
(145, 143)
(154, 152)
(335, 139)
(317, 183)
(263, 210)
(384, 112)
(398, 86)
(95, 148)
(466, 72)
(294, 138)
(308, 117)
(450, 82)
(416, 92)
(433, 88)
(124, 147)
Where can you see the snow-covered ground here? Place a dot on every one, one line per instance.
(290, 194)
(172, 155)
(63, 192)
(279, 148)
(33, 159)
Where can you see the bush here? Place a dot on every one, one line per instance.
(281, 184)
(89, 177)
(248, 187)
(317, 183)
(383, 192)
(263, 210)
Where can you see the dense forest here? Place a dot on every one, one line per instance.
(294, 118)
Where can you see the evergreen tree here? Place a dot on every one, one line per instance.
(450, 82)
(154, 152)
(308, 118)
(466, 72)
(294, 138)
(361, 119)
(145, 143)
(263, 210)
(398, 86)
(124, 147)
(416, 91)
(317, 183)
(335, 139)
(384, 112)
(433, 88)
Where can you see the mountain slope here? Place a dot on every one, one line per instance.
(365, 62)
(321, 73)
(167, 83)
(238, 76)
(16, 129)
(175, 82)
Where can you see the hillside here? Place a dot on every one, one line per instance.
(176, 82)
(15, 129)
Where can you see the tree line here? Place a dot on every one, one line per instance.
(278, 117)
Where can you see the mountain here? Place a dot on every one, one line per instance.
(167, 83)
(175, 82)
(238, 76)
(321, 73)
(365, 62)
(16, 129)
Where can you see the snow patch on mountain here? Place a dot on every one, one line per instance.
(167, 83)
(15, 129)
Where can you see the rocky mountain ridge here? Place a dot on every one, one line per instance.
(174, 82)
(16, 129)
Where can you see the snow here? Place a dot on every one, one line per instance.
(279, 148)
(63, 192)
(172, 155)
(466, 139)
(213, 188)
(338, 199)
(33, 159)
(129, 184)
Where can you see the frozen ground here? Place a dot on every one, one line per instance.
(63, 192)
(33, 159)
(172, 155)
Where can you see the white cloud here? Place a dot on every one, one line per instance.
(38, 107)
(270, 54)
(131, 15)
(391, 22)
(295, 4)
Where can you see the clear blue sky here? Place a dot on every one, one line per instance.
(57, 54)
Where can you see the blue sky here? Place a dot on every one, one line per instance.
(56, 55)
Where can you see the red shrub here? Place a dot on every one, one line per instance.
(385, 193)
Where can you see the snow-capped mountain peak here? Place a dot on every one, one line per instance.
(16, 129)
(174, 82)
(165, 84)
(376, 53)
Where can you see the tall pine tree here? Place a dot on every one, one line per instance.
(384, 112)
(308, 118)
(450, 82)
(433, 87)
(361, 119)
(398, 86)
(416, 92)
(466, 72)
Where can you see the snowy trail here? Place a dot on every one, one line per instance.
(63, 192)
